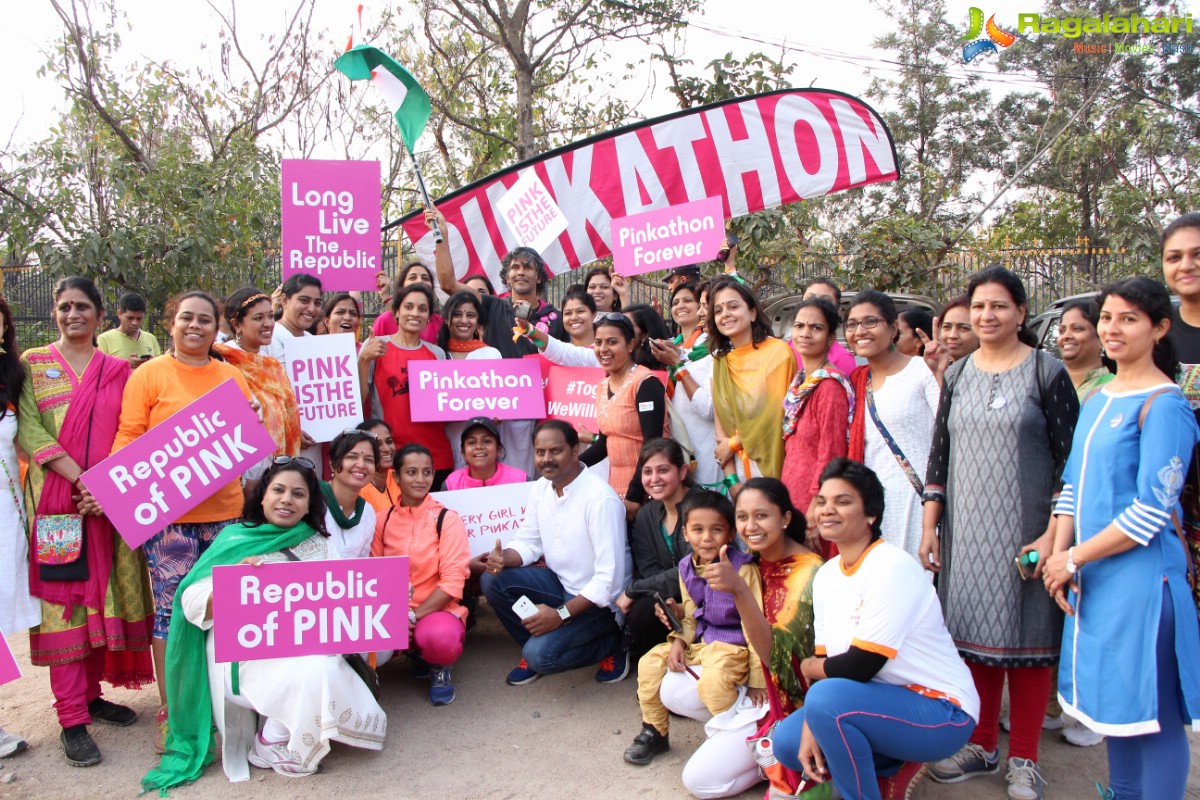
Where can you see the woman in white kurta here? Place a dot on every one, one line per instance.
(897, 394)
(306, 701)
(18, 610)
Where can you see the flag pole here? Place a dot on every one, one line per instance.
(437, 231)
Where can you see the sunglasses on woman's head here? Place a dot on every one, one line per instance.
(280, 461)
(608, 316)
(368, 434)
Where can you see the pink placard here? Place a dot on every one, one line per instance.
(330, 221)
(668, 237)
(9, 671)
(179, 463)
(571, 395)
(306, 608)
(446, 391)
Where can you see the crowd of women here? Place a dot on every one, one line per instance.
(839, 558)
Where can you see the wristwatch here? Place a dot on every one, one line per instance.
(412, 616)
(564, 613)
(1072, 567)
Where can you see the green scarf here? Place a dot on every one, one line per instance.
(335, 508)
(190, 746)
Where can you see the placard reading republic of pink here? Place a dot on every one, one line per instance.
(571, 395)
(664, 238)
(324, 375)
(306, 608)
(179, 463)
(488, 513)
(509, 388)
(9, 671)
(331, 213)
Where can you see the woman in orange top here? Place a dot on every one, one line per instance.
(382, 492)
(159, 388)
(435, 541)
(631, 408)
(248, 312)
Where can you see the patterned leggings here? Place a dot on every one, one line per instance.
(171, 554)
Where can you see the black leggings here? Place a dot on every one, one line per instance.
(643, 628)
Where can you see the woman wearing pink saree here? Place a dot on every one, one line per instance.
(97, 612)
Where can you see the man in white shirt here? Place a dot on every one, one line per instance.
(576, 522)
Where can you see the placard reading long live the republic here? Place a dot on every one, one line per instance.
(179, 463)
(446, 391)
(330, 222)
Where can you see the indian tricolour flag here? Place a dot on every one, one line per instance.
(407, 100)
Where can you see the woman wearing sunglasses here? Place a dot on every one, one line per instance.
(349, 519)
(304, 702)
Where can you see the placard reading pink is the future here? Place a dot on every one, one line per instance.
(668, 237)
(306, 608)
(331, 213)
(179, 463)
(509, 388)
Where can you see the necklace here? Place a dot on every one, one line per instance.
(998, 401)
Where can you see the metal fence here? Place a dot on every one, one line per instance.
(1048, 273)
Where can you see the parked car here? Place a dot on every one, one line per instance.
(1045, 325)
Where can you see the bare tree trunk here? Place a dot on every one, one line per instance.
(525, 145)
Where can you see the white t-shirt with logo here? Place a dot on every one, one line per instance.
(884, 604)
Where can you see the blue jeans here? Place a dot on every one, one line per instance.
(587, 639)
(866, 730)
(1156, 764)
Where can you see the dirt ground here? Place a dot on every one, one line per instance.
(561, 736)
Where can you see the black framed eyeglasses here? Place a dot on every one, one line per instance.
(867, 323)
(281, 461)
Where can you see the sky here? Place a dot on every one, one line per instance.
(828, 44)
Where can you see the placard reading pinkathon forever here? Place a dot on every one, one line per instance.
(331, 213)
(509, 388)
(306, 608)
(669, 237)
(179, 463)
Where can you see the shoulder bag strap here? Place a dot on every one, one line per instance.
(913, 478)
(441, 516)
(1175, 521)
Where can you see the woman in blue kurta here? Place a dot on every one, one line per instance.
(1130, 664)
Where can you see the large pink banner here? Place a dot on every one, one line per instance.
(330, 219)
(305, 608)
(509, 388)
(668, 237)
(179, 463)
(753, 152)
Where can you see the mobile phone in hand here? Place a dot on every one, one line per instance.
(661, 603)
(524, 608)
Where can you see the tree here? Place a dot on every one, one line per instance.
(548, 46)
(159, 179)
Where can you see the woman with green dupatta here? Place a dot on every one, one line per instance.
(305, 702)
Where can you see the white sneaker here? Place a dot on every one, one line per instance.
(1025, 781)
(1081, 736)
(10, 744)
(277, 756)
